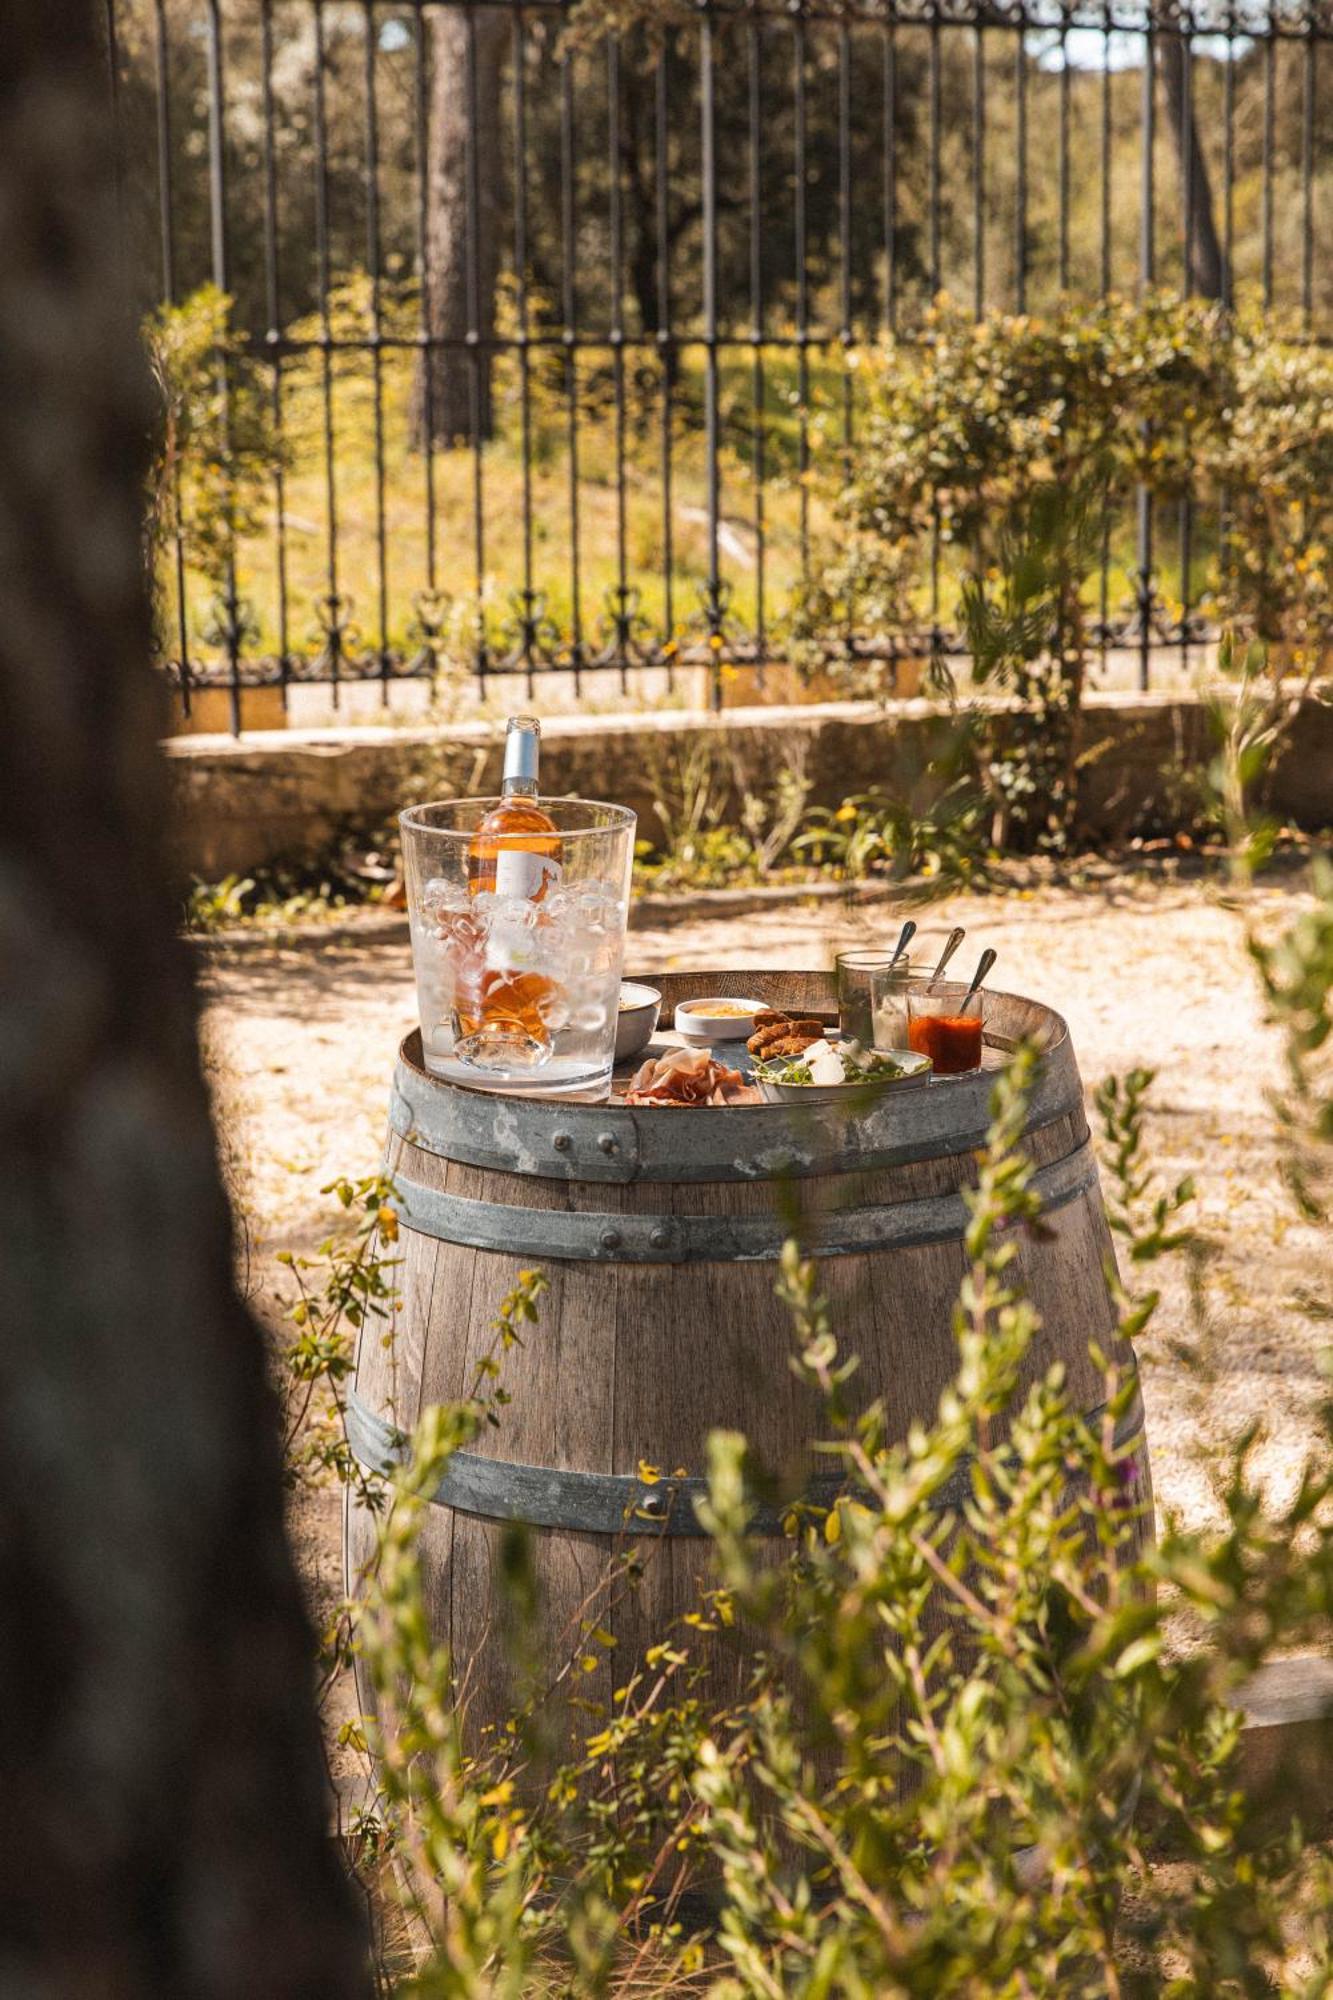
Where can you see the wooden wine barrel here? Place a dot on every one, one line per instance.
(659, 1230)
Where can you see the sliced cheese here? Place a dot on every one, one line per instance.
(825, 1063)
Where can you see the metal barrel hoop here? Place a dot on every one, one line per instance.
(608, 1237)
(600, 1503)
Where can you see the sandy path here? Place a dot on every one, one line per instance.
(301, 1040)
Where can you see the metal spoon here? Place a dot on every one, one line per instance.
(984, 964)
(955, 939)
(905, 937)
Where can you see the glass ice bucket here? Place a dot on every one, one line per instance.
(519, 992)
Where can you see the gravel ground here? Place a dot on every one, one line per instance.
(301, 1038)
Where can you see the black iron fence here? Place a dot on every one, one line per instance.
(530, 338)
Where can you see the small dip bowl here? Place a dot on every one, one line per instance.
(637, 1021)
(722, 1019)
(915, 1071)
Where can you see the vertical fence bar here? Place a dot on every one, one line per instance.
(569, 310)
(617, 331)
(935, 275)
(1106, 154)
(230, 624)
(527, 626)
(1307, 170)
(1185, 513)
(1229, 160)
(1021, 166)
(933, 196)
(372, 183)
(117, 132)
(755, 109)
(162, 106)
(845, 235)
(1307, 199)
(1186, 54)
(889, 66)
(1147, 134)
(273, 340)
(1147, 273)
(1228, 242)
(1104, 569)
(1270, 147)
(666, 348)
(708, 137)
(1064, 148)
(802, 294)
(217, 167)
(480, 352)
(426, 373)
(335, 622)
(978, 170)
(167, 225)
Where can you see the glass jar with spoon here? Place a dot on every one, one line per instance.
(889, 985)
(855, 972)
(946, 1021)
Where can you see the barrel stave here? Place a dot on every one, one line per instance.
(709, 1350)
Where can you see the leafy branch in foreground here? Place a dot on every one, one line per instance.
(1142, 1216)
(1297, 976)
(354, 1290)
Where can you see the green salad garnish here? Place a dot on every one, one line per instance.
(789, 1069)
(858, 1066)
(864, 1065)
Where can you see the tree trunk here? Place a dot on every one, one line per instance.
(161, 1773)
(1207, 266)
(453, 390)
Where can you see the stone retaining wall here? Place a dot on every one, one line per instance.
(277, 795)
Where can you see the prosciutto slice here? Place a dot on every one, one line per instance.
(689, 1076)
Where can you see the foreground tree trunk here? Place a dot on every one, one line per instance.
(1207, 265)
(160, 1773)
(453, 390)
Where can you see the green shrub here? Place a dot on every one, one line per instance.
(974, 420)
(980, 413)
(1271, 465)
(720, 824)
(219, 445)
(870, 833)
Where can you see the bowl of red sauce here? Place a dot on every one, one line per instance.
(947, 1026)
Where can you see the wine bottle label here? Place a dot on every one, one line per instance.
(520, 872)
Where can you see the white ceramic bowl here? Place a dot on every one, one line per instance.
(916, 1071)
(699, 1021)
(637, 1021)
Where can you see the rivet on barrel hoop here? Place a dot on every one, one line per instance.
(660, 1237)
(610, 1239)
(608, 1142)
(562, 1142)
(653, 1505)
